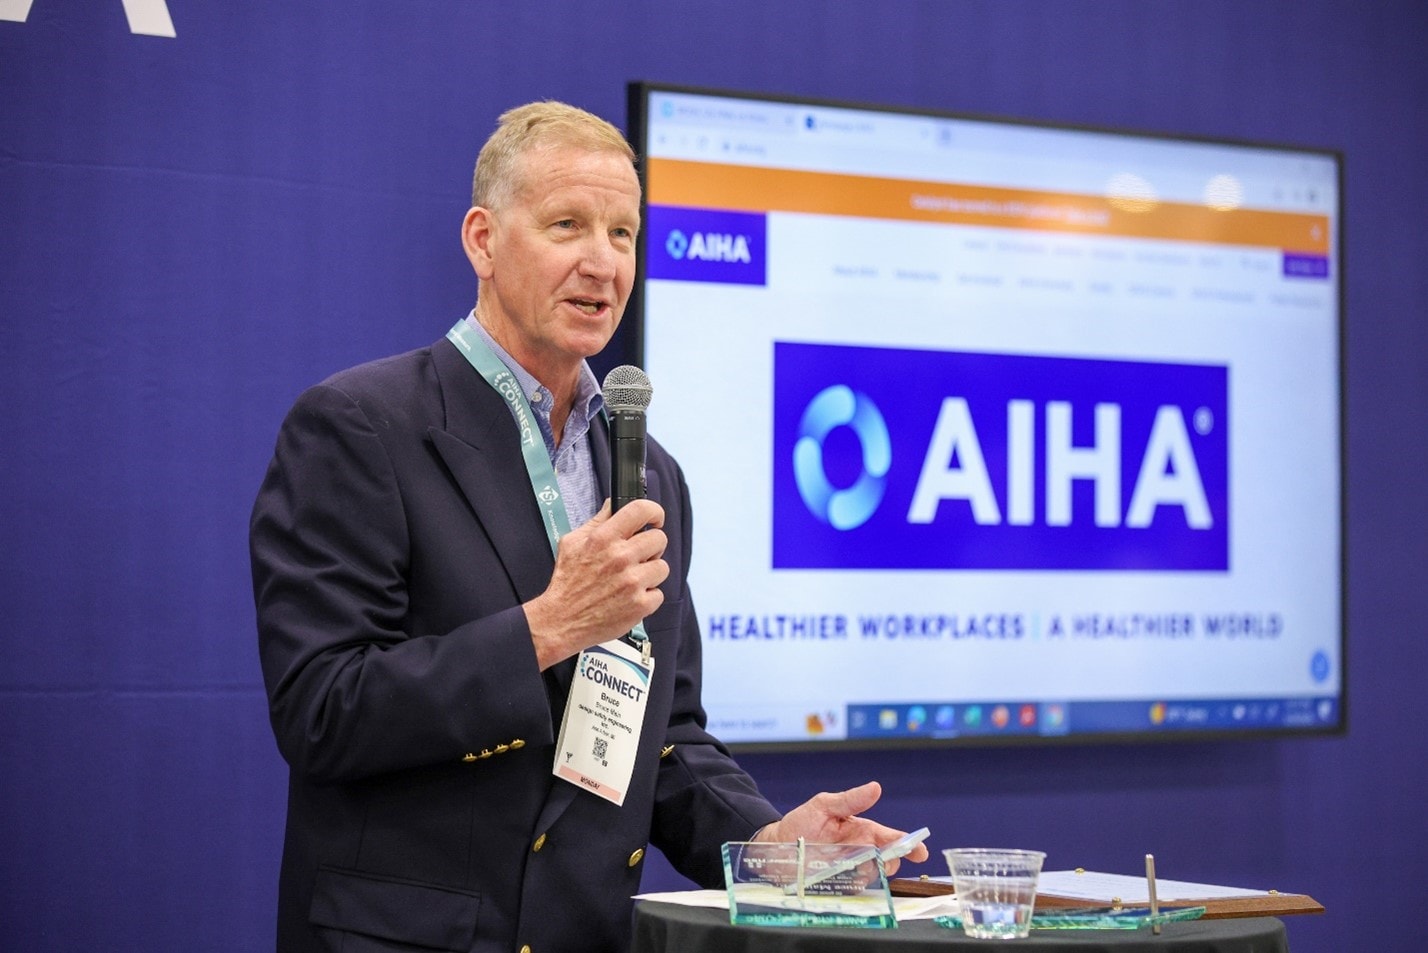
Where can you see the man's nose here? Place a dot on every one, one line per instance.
(599, 260)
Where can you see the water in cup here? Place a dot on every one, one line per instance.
(996, 890)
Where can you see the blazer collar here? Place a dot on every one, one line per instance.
(478, 443)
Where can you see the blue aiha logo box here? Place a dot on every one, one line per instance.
(706, 245)
(887, 458)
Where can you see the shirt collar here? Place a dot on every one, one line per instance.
(587, 401)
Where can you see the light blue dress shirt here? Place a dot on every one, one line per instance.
(574, 463)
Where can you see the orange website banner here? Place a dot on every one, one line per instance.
(755, 189)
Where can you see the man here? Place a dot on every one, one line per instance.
(421, 604)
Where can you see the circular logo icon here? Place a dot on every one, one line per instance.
(1319, 666)
(916, 718)
(849, 507)
(676, 244)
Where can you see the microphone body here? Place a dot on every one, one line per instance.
(627, 393)
(627, 457)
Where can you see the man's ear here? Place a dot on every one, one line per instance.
(477, 237)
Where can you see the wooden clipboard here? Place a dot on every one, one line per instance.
(1272, 904)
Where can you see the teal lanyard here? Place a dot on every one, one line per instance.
(539, 468)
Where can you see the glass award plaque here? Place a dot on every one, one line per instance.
(1098, 918)
(803, 884)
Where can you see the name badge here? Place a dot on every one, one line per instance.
(600, 732)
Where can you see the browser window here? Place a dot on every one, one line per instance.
(996, 429)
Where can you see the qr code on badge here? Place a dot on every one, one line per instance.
(602, 747)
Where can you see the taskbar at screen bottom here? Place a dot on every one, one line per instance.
(936, 719)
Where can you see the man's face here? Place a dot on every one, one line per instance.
(557, 261)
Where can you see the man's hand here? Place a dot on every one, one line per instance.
(833, 819)
(607, 577)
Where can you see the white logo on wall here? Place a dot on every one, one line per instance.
(146, 17)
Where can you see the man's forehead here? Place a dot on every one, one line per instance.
(580, 186)
(535, 163)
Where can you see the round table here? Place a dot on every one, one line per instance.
(670, 928)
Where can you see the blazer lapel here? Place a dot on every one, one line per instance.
(481, 450)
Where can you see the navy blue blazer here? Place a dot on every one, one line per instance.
(393, 541)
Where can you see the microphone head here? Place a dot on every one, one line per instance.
(627, 388)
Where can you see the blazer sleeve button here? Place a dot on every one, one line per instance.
(539, 843)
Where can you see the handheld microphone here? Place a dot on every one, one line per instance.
(627, 395)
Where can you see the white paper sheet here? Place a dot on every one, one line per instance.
(1107, 888)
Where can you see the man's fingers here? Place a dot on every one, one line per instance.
(635, 516)
(852, 802)
(648, 545)
(602, 516)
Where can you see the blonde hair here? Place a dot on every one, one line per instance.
(542, 125)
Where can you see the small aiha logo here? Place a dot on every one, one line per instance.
(146, 17)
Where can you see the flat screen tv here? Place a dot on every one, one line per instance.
(996, 431)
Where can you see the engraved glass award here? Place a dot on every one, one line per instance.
(807, 885)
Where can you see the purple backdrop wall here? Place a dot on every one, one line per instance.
(194, 228)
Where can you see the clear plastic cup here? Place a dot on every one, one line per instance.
(996, 890)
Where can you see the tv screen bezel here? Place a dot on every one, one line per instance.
(632, 346)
